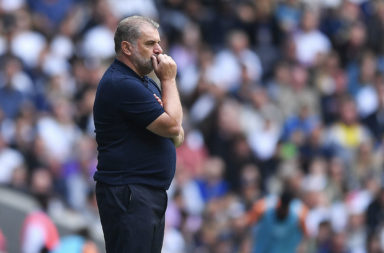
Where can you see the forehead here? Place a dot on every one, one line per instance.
(148, 32)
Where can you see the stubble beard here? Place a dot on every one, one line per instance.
(144, 66)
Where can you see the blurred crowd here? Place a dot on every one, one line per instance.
(275, 93)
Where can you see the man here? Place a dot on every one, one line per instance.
(137, 129)
(278, 223)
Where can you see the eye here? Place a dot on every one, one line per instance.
(150, 43)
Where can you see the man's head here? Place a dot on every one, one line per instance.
(136, 40)
(285, 200)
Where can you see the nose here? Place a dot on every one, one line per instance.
(157, 49)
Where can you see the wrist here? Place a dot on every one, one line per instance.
(166, 81)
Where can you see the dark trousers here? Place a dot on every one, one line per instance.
(132, 217)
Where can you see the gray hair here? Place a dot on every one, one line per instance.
(129, 30)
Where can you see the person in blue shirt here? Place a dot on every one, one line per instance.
(277, 223)
(137, 126)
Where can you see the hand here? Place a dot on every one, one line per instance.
(158, 99)
(178, 140)
(164, 66)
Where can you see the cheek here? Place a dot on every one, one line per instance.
(149, 49)
(145, 53)
(150, 52)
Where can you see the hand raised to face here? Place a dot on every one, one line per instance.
(164, 66)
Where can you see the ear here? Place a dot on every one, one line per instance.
(126, 48)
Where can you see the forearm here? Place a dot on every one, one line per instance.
(165, 69)
(171, 100)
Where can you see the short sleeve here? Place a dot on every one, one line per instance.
(137, 103)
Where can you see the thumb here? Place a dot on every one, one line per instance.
(154, 62)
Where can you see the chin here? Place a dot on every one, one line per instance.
(147, 70)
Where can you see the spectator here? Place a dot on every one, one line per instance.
(266, 34)
(250, 184)
(212, 185)
(337, 183)
(232, 59)
(309, 41)
(3, 244)
(15, 77)
(311, 147)
(188, 189)
(263, 142)
(186, 51)
(323, 238)
(330, 80)
(98, 40)
(10, 161)
(304, 123)
(58, 132)
(373, 244)
(39, 233)
(192, 155)
(78, 242)
(373, 120)
(26, 43)
(338, 244)
(366, 96)
(242, 156)
(11, 98)
(365, 165)
(298, 93)
(348, 134)
(280, 81)
(50, 14)
(259, 109)
(173, 241)
(353, 48)
(199, 80)
(288, 14)
(78, 172)
(375, 212)
(280, 223)
(375, 26)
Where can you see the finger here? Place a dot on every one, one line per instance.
(162, 57)
(158, 99)
(154, 61)
(167, 59)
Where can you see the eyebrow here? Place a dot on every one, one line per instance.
(152, 41)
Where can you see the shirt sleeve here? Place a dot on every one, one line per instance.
(137, 103)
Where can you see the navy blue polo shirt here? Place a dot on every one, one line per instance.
(128, 153)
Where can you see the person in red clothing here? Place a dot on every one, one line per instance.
(3, 242)
(39, 233)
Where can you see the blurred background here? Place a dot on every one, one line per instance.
(274, 92)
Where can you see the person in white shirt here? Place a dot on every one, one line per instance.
(310, 41)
